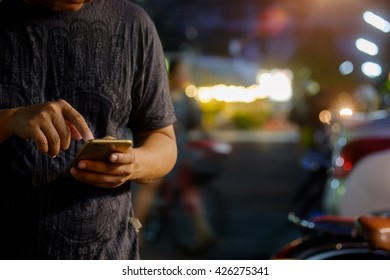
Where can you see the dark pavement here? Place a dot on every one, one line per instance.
(259, 180)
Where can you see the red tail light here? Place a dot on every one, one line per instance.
(354, 151)
(342, 166)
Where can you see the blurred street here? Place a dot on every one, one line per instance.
(255, 65)
(260, 178)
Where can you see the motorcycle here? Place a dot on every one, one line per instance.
(347, 179)
(353, 222)
(331, 237)
(357, 183)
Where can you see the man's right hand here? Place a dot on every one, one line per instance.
(51, 125)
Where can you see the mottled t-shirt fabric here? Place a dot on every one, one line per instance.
(105, 60)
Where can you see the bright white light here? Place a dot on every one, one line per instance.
(224, 93)
(376, 21)
(346, 112)
(346, 68)
(340, 161)
(371, 69)
(367, 46)
(277, 85)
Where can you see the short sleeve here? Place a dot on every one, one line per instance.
(152, 106)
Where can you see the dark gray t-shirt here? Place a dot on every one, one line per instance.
(107, 61)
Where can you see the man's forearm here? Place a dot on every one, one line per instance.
(155, 156)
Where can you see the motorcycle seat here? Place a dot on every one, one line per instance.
(376, 230)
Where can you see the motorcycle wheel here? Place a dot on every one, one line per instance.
(330, 248)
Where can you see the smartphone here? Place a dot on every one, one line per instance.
(100, 149)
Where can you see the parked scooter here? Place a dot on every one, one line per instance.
(358, 183)
(349, 178)
(353, 222)
(327, 237)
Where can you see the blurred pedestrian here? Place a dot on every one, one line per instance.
(189, 118)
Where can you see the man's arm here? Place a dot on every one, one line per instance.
(51, 125)
(153, 157)
(155, 154)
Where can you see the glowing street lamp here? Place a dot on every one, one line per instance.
(366, 46)
(371, 69)
(376, 21)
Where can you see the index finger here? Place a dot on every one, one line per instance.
(76, 119)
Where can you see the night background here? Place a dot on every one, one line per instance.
(228, 42)
(317, 34)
